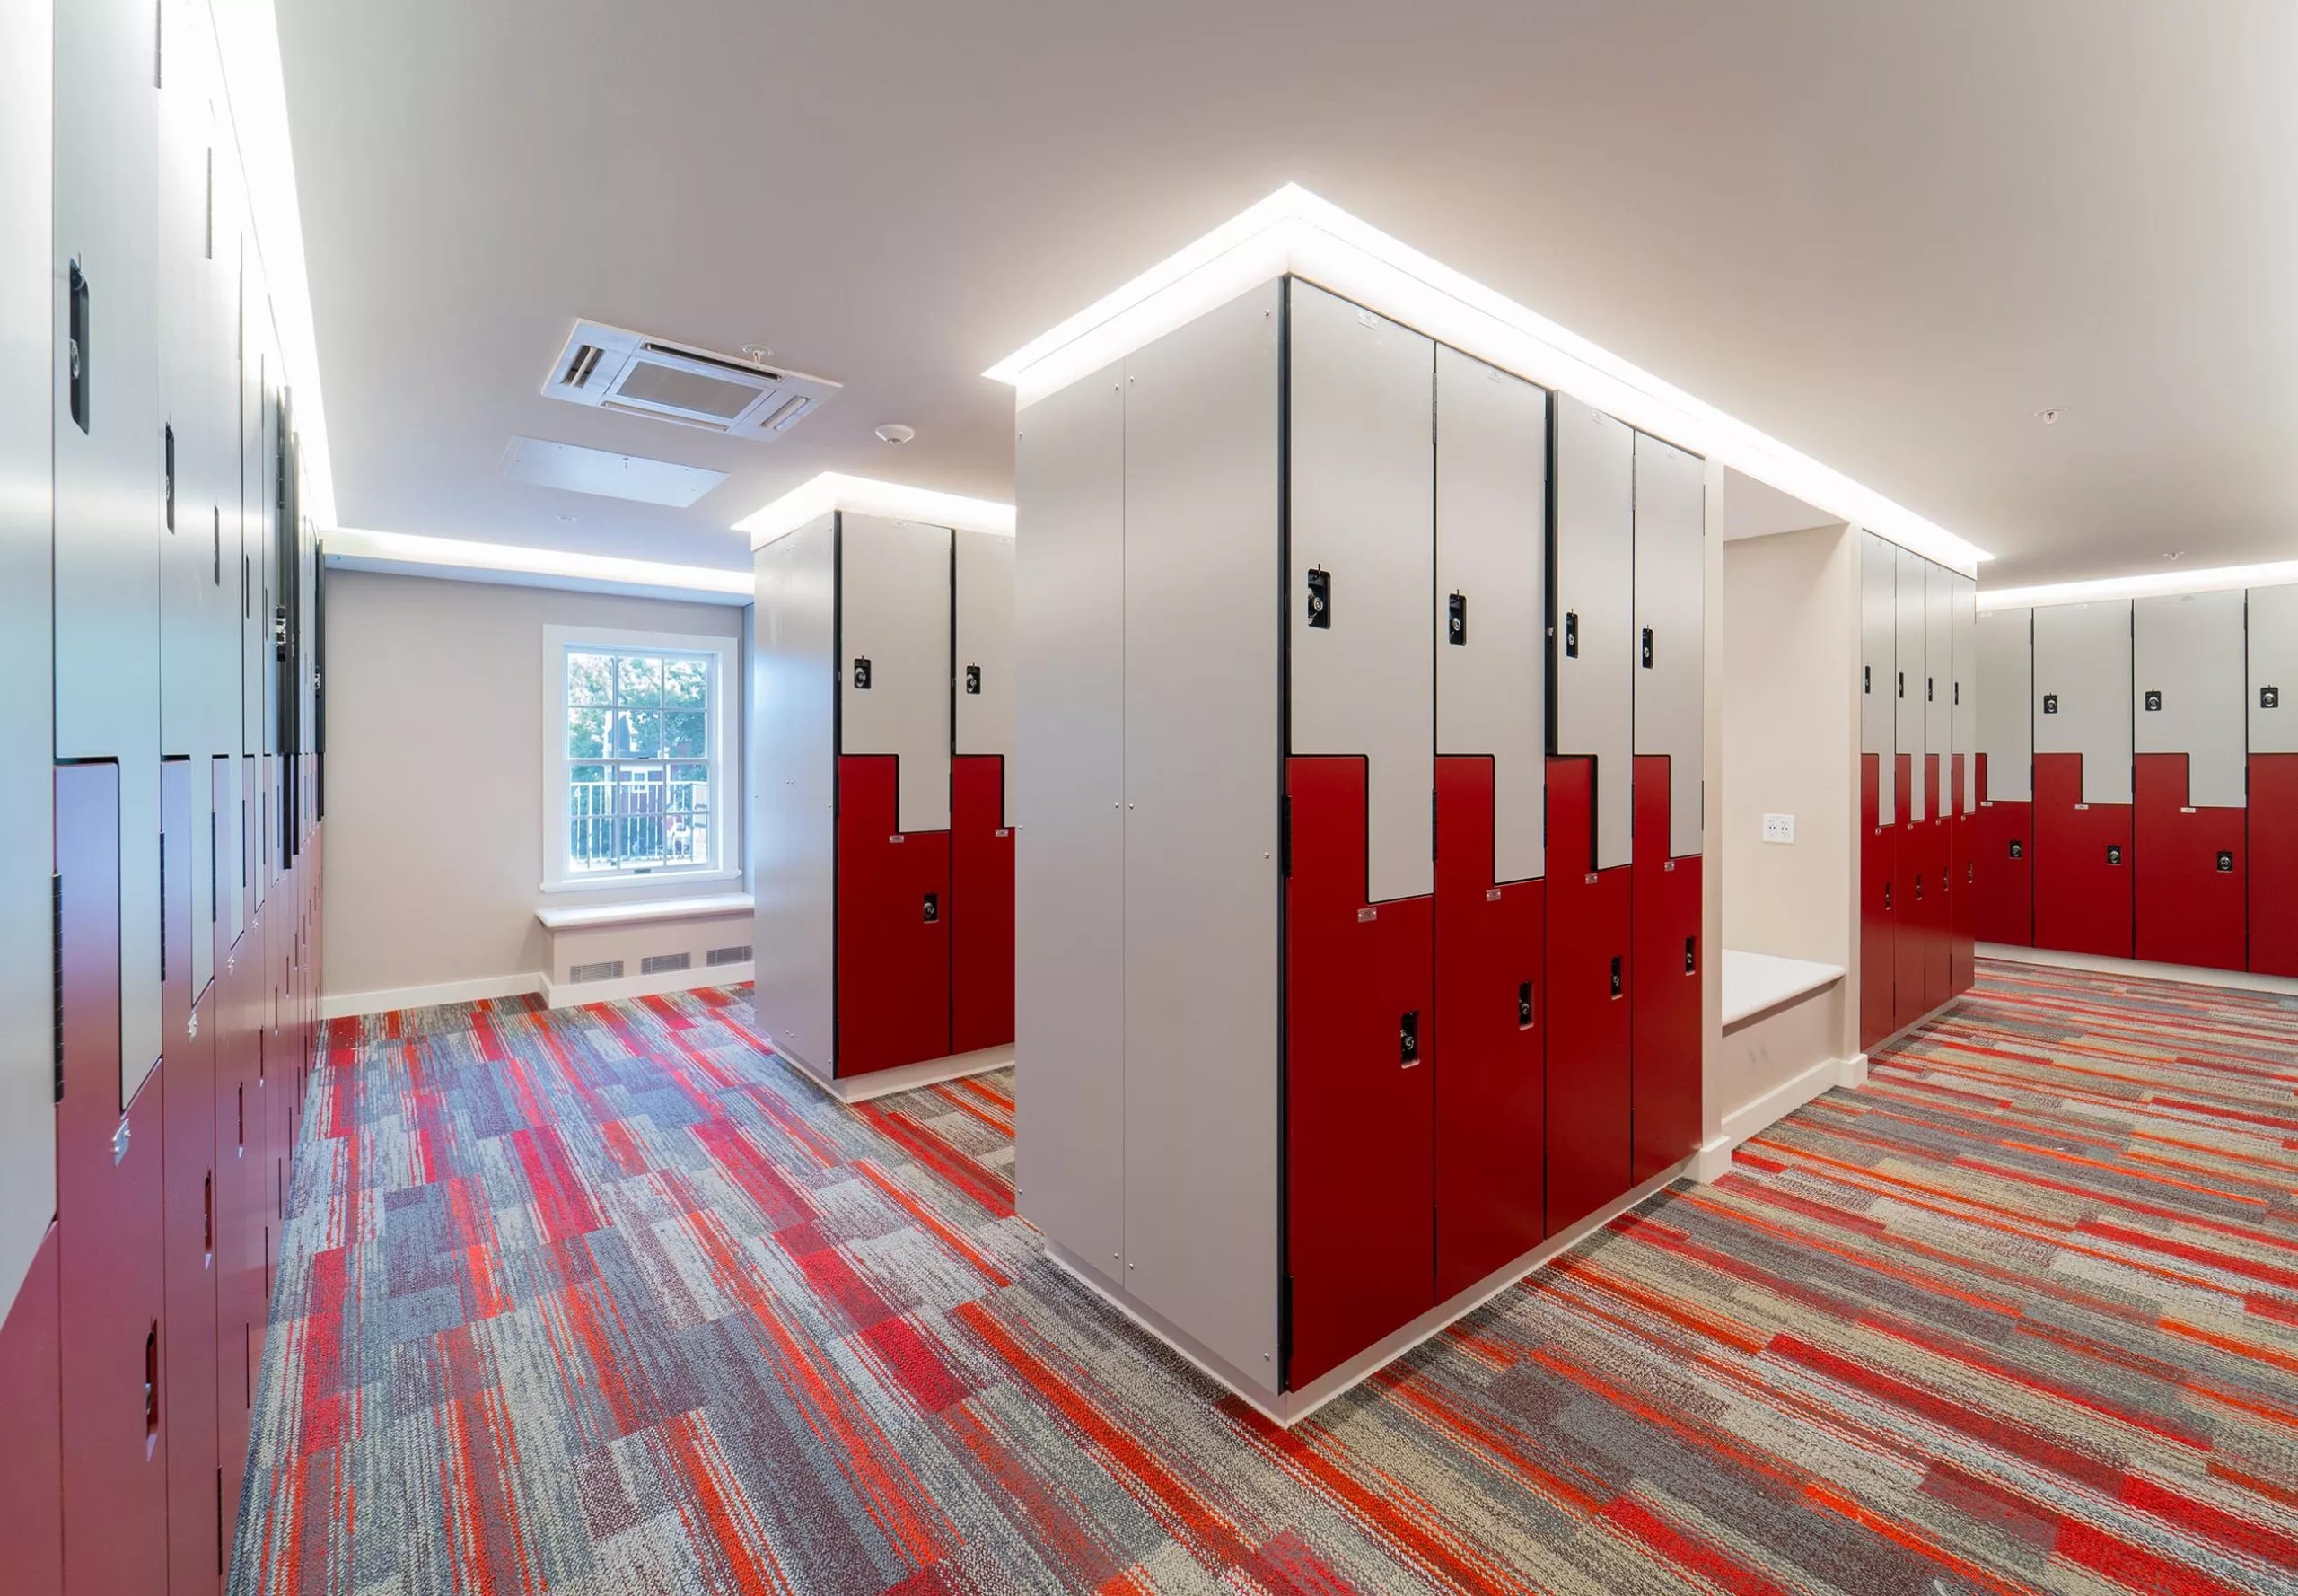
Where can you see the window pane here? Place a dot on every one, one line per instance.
(639, 794)
(637, 734)
(690, 835)
(689, 772)
(642, 679)
(590, 677)
(589, 819)
(685, 683)
(683, 733)
(586, 733)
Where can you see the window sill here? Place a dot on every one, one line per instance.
(652, 878)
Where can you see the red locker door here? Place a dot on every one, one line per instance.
(2082, 893)
(981, 905)
(31, 1463)
(1491, 1088)
(1664, 1076)
(1359, 1071)
(1590, 917)
(893, 931)
(2003, 847)
(1878, 952)
(109, 1214)
(187, 1171)
(1962, 884)
(2274, 864)
(1938, 900)
(244, 1223)
(1911, 941)
(2187, 880)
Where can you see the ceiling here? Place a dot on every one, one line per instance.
(1887, 234)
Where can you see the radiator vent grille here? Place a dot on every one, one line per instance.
(728, 955)
(661, 964)
(605, 969)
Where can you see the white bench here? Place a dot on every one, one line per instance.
(603, 951)
(1784, 1029)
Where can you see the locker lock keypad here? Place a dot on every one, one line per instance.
(862, 672)
(1320, 598)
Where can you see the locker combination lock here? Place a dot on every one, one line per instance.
(973, 678)
(1571, 635)
(2226, 860)
(1618, 979)
(1691, 955)
(1320, 598)
(1523, 1006)
(2269, 698)
(862, 672)
(2114, 853)
(1648, 648)
(1456, 620)
(2050, 702)
(2154, 700)
(933, 909)
(1408, 1037)
(2018, 848)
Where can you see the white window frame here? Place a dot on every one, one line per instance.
(724, 759)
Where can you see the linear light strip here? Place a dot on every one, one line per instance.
(1294, 230)
(2158, 585)
(458, 554)
(867, 496)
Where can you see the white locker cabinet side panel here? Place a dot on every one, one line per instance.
(108, 503)
(2082, 692)
(2187, 661)
(1671, 603)
(1878, 652)
(795, 840)
(1362, 510)
(1906, 673)
(1593, 651)
(1964, 593)
(1492, 551)
(1065, 786)
(894, 612)
(1939, 674)
(2006, 703)
(26, 790)
(982, 695)
(2273, 691)
(1202, 590)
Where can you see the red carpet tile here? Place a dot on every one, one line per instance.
(609, 1300)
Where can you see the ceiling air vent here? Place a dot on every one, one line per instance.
(608, 368)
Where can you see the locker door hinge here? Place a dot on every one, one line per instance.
(55, 935)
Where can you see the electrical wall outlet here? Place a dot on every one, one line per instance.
(1779, 828)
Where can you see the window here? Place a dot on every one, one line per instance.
(637, 769)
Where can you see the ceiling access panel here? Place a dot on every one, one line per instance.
(2082, 692)
(981, 692)
(2006, 702)
(792, 717)
(1361, 527)
(1963, 595)
(1592, 649)
(2188, 667)
(1670, 577)
(2272, 693)
(893, 597)
(1067, 783)
(1491, 595)
(1911, 616)
(1878, 652)
(1204, 589)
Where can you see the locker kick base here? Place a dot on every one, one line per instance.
(1288, 1408)
(932, 1072)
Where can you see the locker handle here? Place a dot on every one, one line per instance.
(1571, 635)
(1867, 678)
(78, 353)
(933, 909)
(1408, 1037)
(1887, 898)
(1691, 955)
(207, 1217)
(1930, 690)
(862, 672)
(973, 678)
(1902, 684)
(1648, 648)
(168, 472)
(1456, 620)
(1320, 598)
(1617, 977)
(2269, 698)
(2154, 700)
(151, 1388)
(1523, 1006)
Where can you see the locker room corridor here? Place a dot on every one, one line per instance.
(607, 1300)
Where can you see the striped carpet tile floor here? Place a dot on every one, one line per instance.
(607, 1300)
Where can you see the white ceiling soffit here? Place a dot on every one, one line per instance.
(2209, 579)
(1753, 508)
(573, 469)
(867, 496)
(403, 554)
(1294, 230)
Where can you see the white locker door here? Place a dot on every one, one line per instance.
(2187, 669)
(1939, 675)
(2082, 692)
(2273, 694)
(1492, 593)
(1965, 592)
(1909, 607)
(2006, 703)
(983, 611)
(793, 730)
(1878, 637)
(1670, 630)
(1362, 494)
(1593, 650)
(1066, 786)
(893, 602)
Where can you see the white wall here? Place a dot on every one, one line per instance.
(434, 774)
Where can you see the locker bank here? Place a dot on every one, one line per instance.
(666, 932)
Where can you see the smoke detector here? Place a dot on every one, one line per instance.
(610, 368)
(894, 432)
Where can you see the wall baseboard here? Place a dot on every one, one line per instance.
(568, 995)
(1713, 1161)
(2138, 969)
(341, 1005)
